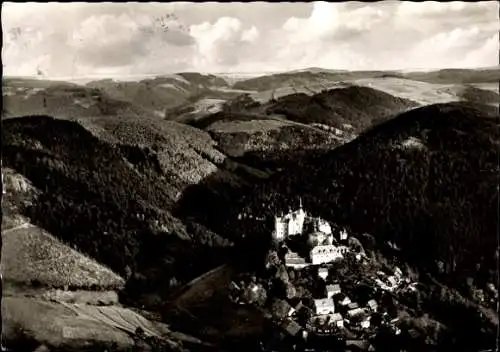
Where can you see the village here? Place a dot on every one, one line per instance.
(316, 285)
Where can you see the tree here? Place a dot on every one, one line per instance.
(272, 259)
(261, 298)
(280, 308)
(290, 291)
(282, 274)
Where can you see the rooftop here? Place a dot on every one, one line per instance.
(333, 288)
(323, 302)
(336, 317)
(291, 327)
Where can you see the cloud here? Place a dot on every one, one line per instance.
(133, 38)
(250, 35)
(221, 44)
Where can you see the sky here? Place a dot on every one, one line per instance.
(114, 39)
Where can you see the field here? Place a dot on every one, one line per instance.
(29, 255)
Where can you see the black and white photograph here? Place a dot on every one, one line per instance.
(250, 176)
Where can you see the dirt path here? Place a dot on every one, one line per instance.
(18, 227)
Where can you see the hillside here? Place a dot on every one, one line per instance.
(303, 78)
(165, 93)
(358, 106)
(62, 99)
(453, 76)
(479, 95)
(30, 255)
(110, 201)
(146, 97)
(424, 179)
(324, 77)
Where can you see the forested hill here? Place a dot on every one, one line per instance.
(360, 107)
(426, 179)
(110, 201)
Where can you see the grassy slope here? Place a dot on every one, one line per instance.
(456, 76)
(31, 255)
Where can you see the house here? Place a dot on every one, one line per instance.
(291, 327)
(343, 299)
(392, 281)
(352, 305)
(355, 312)
(324, 306)
(337, 320)
(326, 253)
(318, 238)
(365, 322)
(372, 304)
(293, 260)
(323, 226)
(332, 290)
(323, 273)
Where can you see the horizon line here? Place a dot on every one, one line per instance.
(263, 73)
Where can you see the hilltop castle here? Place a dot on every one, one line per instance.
(290, 224)
(320, 239)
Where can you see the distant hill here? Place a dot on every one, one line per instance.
(457, 75)
(358, 106)
(165, 92)
(301, 78)
(479, 95)
(313, 76)
(64, 100)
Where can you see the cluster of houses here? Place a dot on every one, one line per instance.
(335, 311)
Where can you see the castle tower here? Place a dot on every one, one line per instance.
(280, 228)
(296, 222)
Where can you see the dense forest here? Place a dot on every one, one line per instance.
(360, 107)
(109, 201)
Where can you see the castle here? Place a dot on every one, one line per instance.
(290, 224)
(320, 240)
